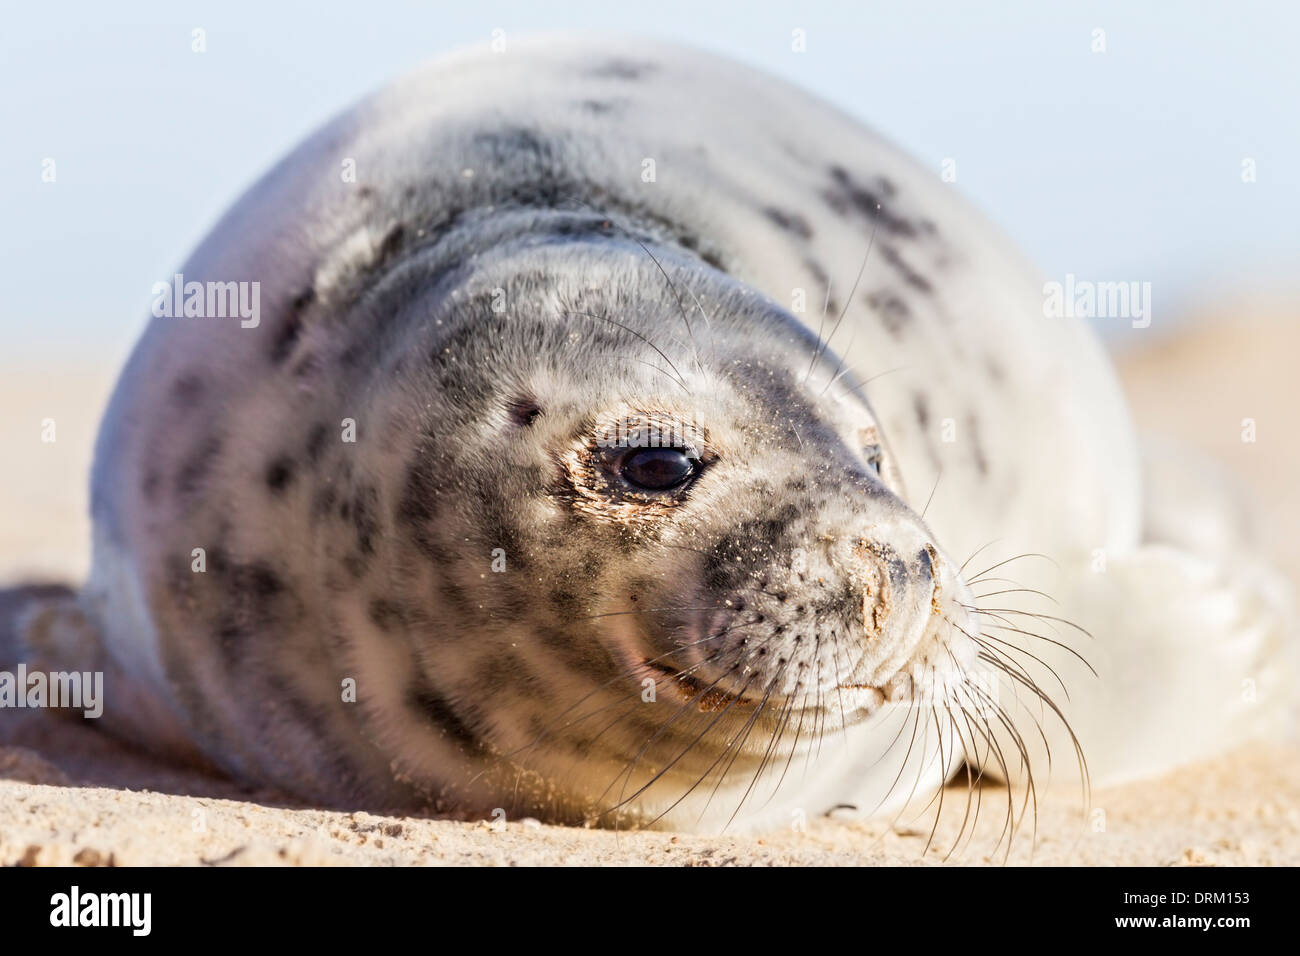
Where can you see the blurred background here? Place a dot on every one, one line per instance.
(1119, 165)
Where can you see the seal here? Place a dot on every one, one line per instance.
(546, 481)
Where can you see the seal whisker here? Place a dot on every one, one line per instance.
(630, 700)
(681, 308)
(1036, 614)
(929, 501)
(778, 732)
(1044, 594)
(976, 553)
(911, 712)
(821, 325)
(1074, 740)
(984, 636)
(624, 801)
(1012, 647)
(794, 746)
(604, 318)
(974, 579)
(825, 346)
(1002, 663)
(973, 779)
(1012, 823)
(736, 746)
(878, 375)
(1065, 647)
(626, 775)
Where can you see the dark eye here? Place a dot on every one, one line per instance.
(875, 456)
(656, 469)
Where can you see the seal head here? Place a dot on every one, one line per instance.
(635, 541)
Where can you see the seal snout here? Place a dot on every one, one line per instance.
(888, 582)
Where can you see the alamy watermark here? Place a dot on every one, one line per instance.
(208, 300)
(131, 911)
(1085, 299)
(75, 690)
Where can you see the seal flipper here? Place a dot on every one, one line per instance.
(48, 629)
(1196, 657)
(1193, 636)
(15, 604)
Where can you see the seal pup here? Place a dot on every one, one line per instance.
(546, 480)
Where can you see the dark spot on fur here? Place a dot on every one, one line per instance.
(419, 505)
(308, 365)
(425, 700)
(259, 580)
(252, 603)
(286, 336)
(910, 275)
(598, 107)
(188, 390)
(190, 476)
(316, 442)
(691, 242)
(365, 505)
(742, 550)
(845, 195)
(790, 222)
(513, 147)
(592, 564)
(621, 69)
(922, 407)
(565, 601)
(505, 674)
(453, 593)
(387, 615)
(830, 305)
(582, 656)
(351, 356)
(218, 561)
(977, 446)
(323, 503)
(893, 311)
(279, 474)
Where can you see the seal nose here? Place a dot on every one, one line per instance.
(927, 560)
(892, 581)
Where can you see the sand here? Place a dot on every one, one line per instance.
(69, 795)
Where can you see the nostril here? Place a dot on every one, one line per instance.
(930, 562)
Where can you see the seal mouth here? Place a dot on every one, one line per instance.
(707, 696)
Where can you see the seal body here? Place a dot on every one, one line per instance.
(399, 542)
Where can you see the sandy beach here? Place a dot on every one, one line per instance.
(69, 795)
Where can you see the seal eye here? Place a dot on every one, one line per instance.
(656, 469)
(875, 457)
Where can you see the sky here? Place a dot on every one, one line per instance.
(1122, 165)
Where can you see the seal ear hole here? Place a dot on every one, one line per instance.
(523, 411)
